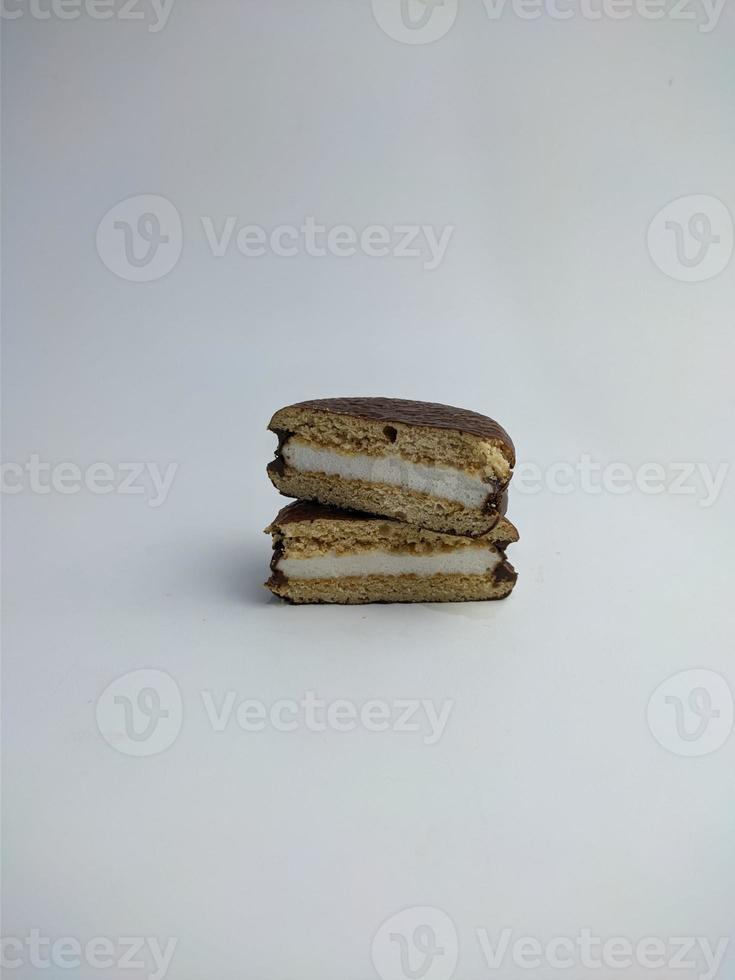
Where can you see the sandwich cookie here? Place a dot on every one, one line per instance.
(431, 465)
(324, 554)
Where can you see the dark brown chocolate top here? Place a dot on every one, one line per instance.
(430, 414)
(309, 510)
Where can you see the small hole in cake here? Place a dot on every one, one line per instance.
(400, 516)
(390, 433)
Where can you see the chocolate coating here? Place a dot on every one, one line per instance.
(277, 581)
(504, 572)
(429, 414)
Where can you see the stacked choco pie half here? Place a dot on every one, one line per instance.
(397, 501)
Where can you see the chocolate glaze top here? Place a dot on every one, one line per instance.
(307, 510)
(429, 414)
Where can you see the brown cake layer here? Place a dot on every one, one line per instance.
(326, 555)
(502, 534)
(437, 466)
(427, 414)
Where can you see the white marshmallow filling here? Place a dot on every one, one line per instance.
(462, 561)
(445, 482)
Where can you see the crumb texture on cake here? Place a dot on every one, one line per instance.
(396, 588)
(304, 528)
(396, 501)
(324, 554)
(409, 412)
(469, 488)
(420, 432)
(410, 506)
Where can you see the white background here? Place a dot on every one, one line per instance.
(547, 806)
